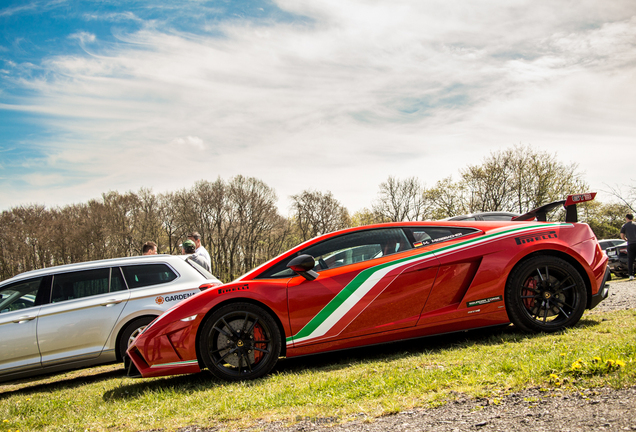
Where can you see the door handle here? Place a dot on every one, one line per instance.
(23, 319)
(112, 302)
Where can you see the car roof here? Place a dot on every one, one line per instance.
(482, 214)
(86, 265)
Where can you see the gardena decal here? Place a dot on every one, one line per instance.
(484, 301)
(176, 297)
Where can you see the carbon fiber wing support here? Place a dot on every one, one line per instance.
(540, 213)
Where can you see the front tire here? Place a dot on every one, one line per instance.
(240, 341)
(545, 294)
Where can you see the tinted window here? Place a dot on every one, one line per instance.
(429, 235)
(138, 276)
(348, 249)
(116, 280)
(20, 295)
(80, 284)
(497, 217)
(358, 246)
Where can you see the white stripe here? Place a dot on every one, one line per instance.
(373, 280)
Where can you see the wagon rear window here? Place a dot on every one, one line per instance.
(138, 276)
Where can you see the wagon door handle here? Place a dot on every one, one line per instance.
(112, 302)
(23, 319)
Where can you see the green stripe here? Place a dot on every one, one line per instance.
(181, 363)
(361, 277)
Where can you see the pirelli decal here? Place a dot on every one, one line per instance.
(535, 237)
(484, 301)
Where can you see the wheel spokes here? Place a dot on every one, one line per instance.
(233, 343)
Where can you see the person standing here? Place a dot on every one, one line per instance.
(201, 251)
(149, 248)
(189, 248)
(628, 233)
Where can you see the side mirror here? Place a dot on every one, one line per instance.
(303, 265)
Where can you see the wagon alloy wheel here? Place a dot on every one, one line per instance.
(545, 293)
(129, 333)
(240, 341)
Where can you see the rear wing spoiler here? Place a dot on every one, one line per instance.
(540, 213)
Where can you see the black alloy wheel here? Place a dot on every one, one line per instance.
(545, 294)
(240, 341)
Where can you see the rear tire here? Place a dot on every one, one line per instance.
(240, 341)
(545, 294)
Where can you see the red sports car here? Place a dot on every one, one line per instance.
(381, 283)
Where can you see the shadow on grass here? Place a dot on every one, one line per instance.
(52, 382)
(402, 349)
(320, 362)
(179, 383)
(337, 360)
(587, 323)
(324, 362)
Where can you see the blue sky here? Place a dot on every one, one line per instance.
(325, 95)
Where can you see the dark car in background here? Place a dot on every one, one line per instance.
(607, 243)
(617, 259)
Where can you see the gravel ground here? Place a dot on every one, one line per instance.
(530, 410)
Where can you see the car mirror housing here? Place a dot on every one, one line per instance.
(303, 265)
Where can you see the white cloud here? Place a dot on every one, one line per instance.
(343, 99)
(83, 37)
(189, 141)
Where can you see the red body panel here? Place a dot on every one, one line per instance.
(452, 285)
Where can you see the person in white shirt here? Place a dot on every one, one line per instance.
(201, 251)
(189, 248)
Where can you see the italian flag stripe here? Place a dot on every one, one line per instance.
(364, 281)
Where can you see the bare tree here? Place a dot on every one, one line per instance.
(627, 198)
(147, 223)
(365, 217)
(316, 213)
(445, 199)
(399, 200)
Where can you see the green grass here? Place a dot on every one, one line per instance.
(599, 351)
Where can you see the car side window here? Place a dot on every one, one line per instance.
(19, 295)
(357, 247)
(79, 284)
(424, 236)
(138, 276)
(116, 280)
(347, 249)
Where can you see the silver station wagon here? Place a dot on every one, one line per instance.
(84, 314)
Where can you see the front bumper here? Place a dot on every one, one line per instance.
(139, 368)
(164, 349)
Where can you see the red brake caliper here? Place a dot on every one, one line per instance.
(258, 336)
(529, 302)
